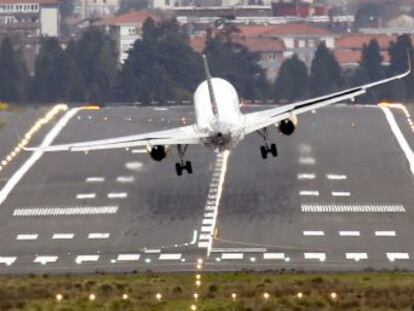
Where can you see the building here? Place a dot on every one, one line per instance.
(30, 18)
(348, 48)
(125, 29)
(301, 39)
(97, 8)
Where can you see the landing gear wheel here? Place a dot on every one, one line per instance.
(189, 167)
(273, 150)
(263, 151)
(178, 169)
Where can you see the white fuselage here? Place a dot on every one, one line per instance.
(224, 122)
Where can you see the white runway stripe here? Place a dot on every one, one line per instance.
(83, 196)
(63, 236)
(309, 193)
(86, 258)
(95, 179)
(27, 237)
(385, 233)
(341, 194)
(405, 147)
(356, 256)
(400, 256)
(134, 166)
(232, 256)
(274, 256)
(66, 211)
(117, 195)
(318, 256)
(128, 257)
(349, 233)
(170, 256)
(125, 179)
(371, 208)
(139, 151)
(313, 233)
(8, 261)
(305, 176)
(336, 176)
(307, 161)
(36, 155)
(43, 260)
(98, 236)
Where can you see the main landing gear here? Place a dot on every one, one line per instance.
(267, 147)
(183, 165)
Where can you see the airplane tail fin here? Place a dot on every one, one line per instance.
(210, 85)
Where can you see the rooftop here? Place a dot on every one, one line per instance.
(291, 29)
(357, 41)
(133, 17)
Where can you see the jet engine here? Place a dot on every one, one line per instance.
(288, 126)
(158, 153)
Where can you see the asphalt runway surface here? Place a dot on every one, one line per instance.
(338, 197)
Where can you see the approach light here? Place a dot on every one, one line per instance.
(299, 295)
(59, 297)
(266, 296)
(158, 296)
(333, 296)
(234, 296)
(92, 297)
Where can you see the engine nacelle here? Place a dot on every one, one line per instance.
(158, 153)
(288, 126)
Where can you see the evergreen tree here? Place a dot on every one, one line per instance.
(399, 52)
(51, 72)
(161, 66)
(235, 63)
(326, 73)
(75, 90)
(13, 74)
(292, 80)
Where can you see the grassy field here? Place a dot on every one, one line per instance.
(359, 291)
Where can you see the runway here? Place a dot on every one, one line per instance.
(338, 197)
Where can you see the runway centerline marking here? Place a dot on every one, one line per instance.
(397, 256)
(36, 155)
(356, 256)
(307, 161)
(306, 176)
(125, 179)
(128, 257)
(405, 147)
(134, 166)
(318, 256)
(43, 260)
(27, 237)
(209, 221)
(8, 261)
(170, 257)
(86, 258)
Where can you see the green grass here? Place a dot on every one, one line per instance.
(356, 291)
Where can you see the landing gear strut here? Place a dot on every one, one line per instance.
(183, 165)
(267, 147)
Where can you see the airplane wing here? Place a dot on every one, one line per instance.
(185, 135)
(258, 120)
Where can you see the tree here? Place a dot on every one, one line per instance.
(292, 81)
(51, 72)
(326, 73)
(367, 15)
(13, 74)
(399, 52)
(161, 66)
(234, 62)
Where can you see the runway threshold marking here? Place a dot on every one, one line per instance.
(341, 194)
(36, 155)
(209, 221)
(84, 196)
(336, 176)
(309, 193)
(65, 211)
(117, 195)
(398, 256)
(98, 236)
(363, 208)
(306, 176)
(405, 147)
(8, 261)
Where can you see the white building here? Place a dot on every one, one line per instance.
(125, 29)
(30, 17)
(98, 8)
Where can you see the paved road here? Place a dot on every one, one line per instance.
(338, 197)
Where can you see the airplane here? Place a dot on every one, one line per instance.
(219, 123)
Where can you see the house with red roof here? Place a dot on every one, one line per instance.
(125, 29)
